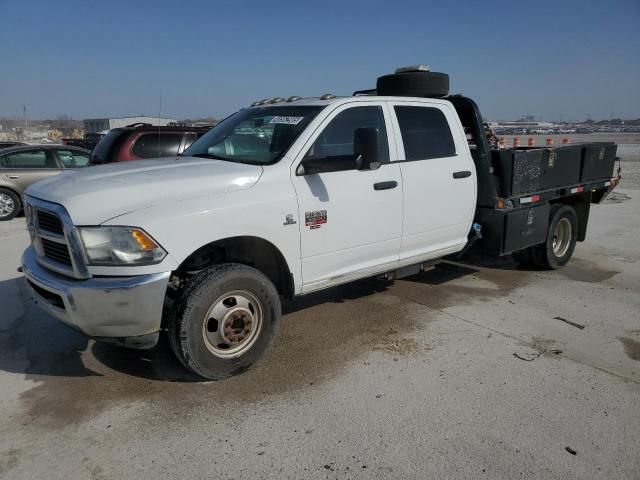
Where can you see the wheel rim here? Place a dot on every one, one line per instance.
(7, 205)
(561, 237)
(232, 324)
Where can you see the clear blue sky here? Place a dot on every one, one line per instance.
(112, 58)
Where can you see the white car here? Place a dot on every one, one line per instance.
(281, 199)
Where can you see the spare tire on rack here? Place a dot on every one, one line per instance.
(414, 84)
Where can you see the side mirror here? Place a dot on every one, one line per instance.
(365, 148)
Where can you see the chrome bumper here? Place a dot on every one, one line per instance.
(112, 308)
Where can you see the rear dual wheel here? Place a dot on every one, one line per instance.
(560, 243)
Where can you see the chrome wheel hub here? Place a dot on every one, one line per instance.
(232, 324)
(561, 237)
(7, 205)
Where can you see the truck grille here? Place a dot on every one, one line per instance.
(49, 222)
(54, 238)
(56, 251)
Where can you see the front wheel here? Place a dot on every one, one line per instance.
(225, 320)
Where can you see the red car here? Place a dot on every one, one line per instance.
(140, 141)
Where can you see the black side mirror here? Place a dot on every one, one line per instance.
(365, 148)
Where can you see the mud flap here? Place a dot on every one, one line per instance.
(524, 228)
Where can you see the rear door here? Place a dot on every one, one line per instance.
(21, 169)
(438, 175)
(350, 220)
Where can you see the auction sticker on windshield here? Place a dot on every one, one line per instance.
(286, 120)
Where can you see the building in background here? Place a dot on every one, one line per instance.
(97, 125)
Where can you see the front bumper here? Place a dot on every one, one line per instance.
(123, 310)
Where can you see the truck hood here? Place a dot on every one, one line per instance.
(93, 195)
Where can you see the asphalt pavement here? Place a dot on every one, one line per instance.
(471, 370)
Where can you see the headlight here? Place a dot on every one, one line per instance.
(116, 246)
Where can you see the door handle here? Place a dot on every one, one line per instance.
(462, 174)
(13, 177)
(385, 185)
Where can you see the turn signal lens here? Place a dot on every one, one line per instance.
(144, 240)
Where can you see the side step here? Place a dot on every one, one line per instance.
(410, 270)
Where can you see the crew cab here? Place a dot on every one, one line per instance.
(288, 197)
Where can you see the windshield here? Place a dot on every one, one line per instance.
(259, 136)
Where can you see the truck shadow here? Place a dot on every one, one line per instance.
(31, 343)
(160, 363)
(321, 335)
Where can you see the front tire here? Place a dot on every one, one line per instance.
(9, 204)
(225, 320)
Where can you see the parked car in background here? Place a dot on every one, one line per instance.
(89, 141)
(10, 144)
(23, 165)
(140, 141)
(543, 131)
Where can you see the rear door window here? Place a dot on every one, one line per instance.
(425, 133)
(189, 138)
(73, 158)
(154, 145)
(28, 159)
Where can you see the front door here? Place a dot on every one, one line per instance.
(22, 168)
(350, 221)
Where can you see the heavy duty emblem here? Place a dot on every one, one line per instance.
(552, 159)
(289, 220)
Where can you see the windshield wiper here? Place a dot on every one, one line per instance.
(215, 157)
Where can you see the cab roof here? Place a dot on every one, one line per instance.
(334, 100)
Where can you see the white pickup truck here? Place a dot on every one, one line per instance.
(288, 197)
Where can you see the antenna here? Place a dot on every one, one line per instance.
(159, 117)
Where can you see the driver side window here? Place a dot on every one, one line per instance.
(336, 140)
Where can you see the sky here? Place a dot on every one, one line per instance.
(190, 59)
